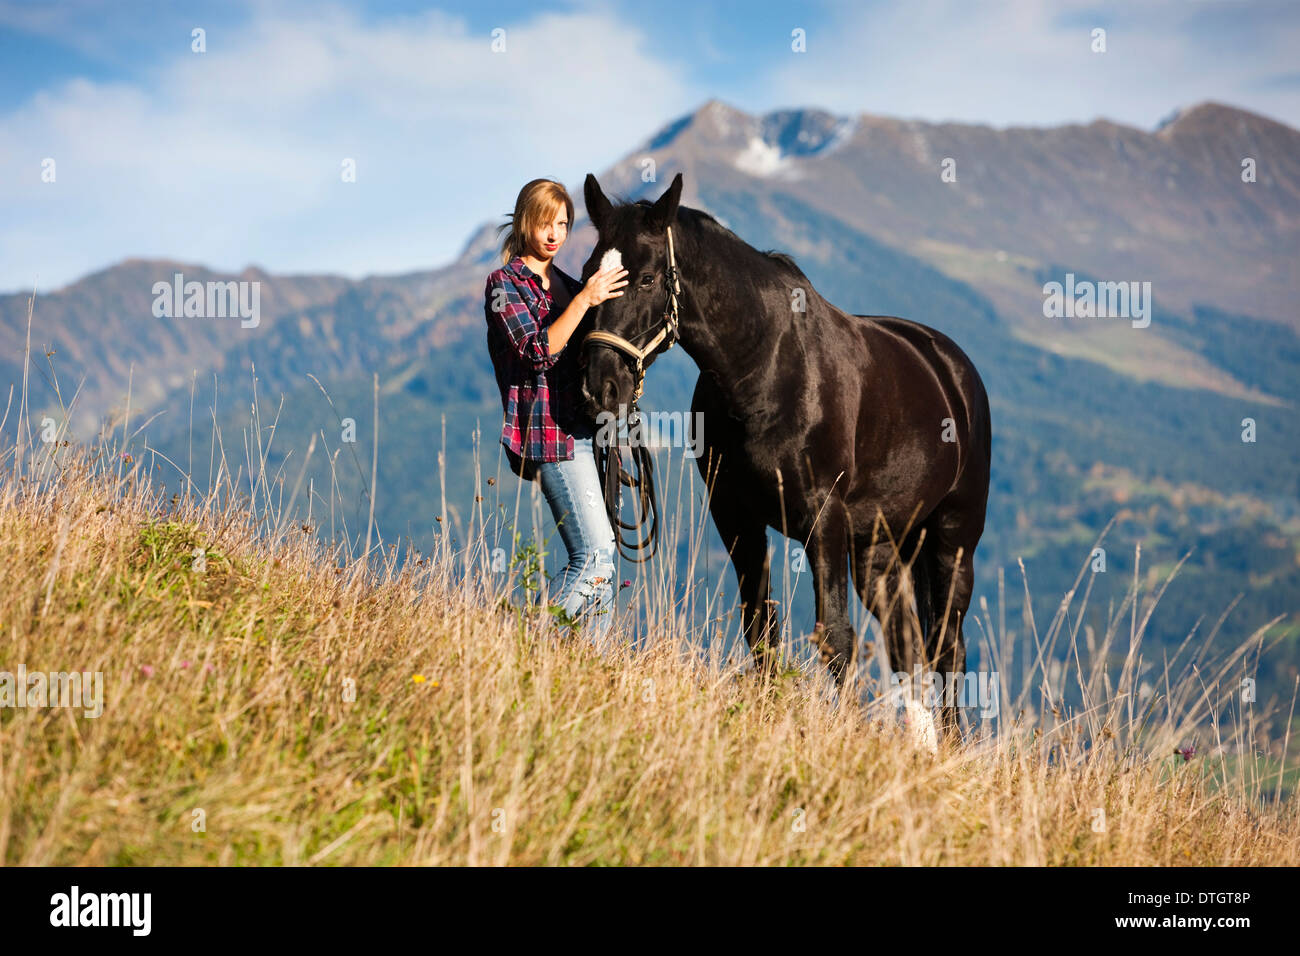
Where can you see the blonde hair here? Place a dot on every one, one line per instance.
(537, 203)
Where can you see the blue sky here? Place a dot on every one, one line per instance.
(232, 157)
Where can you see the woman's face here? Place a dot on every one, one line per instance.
(549, 237)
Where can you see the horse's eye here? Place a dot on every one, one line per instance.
(647, 281)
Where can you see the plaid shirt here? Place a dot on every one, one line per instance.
(539, 391)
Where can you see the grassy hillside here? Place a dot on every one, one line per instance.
(1077, 445)
(271, 704)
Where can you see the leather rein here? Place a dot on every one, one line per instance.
(610, 467)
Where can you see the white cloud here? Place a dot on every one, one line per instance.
(1025, 62)
(234, 156)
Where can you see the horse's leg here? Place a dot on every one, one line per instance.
(827, 549)
(886, 587)
(745, 539)
(949, 553)
(887, 579)
(743, 534)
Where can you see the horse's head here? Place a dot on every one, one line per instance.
(639, 231)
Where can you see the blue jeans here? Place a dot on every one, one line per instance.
(585, 586)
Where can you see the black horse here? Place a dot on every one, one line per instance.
(867, 438)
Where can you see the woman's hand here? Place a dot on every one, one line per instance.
(607, 284)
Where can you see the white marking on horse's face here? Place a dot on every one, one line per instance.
(611, 259)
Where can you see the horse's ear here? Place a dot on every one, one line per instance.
(598, 207)
(664, 212)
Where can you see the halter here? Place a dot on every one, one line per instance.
(667, 331)
(610, 466)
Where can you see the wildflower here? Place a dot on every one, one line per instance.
(185, 665)
(625, 584)
(1186, 753)
(418, 678)
(208, 669)
(146, 670)
(126, 457)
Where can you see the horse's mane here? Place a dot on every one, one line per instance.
(787, 261)
(706, 222)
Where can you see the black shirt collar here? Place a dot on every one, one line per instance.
(519, 268)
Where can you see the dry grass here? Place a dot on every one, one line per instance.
(281, 703)
(225, 693)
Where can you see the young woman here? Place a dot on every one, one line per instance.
(534, 332)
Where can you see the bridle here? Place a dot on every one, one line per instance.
(668, 330)
(610, 467)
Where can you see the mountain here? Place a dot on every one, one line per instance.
(1113, 201)
(1107, 200)
(1094, 419)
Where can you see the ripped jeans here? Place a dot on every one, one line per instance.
(585, 586)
